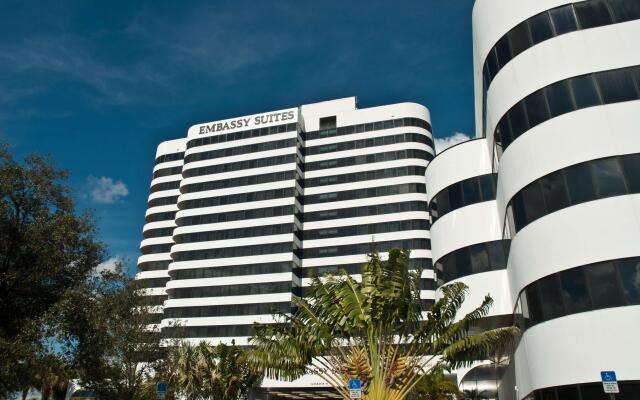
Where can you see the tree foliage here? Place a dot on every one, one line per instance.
(207, 372)
(374, 330)
(46, 249)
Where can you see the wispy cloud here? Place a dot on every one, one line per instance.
(105, 190)
(442, 144)
(109, 265)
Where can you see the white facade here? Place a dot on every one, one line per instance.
(557, 85)
(257, 205)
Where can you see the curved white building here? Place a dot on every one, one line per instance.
(558, 116)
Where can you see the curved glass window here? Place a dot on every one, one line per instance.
(368, 159)
(241, 181)
(236, 151)
(226, 310)
(356, 268)
(156, 300)
(368, 127)
(366, 193)
(170, 157)
(252, 231)
(163, 216)
(239, 165)
(366, 229)
(156, 248)
(165, 186)
(163, 201)
(371, 142)
(167, 172)
(614, 283)
(232, 270)
(236, 215)
(469, 191)
(152, 282)
(365, 176)
(556, 22)
(230, 290)
(378, 209)
(474, 259)
(154, 265)
(598, 88)
(579, 183)
(160, 232)
(237, 198)
(629, 390)
(225, 252)
(242, 135)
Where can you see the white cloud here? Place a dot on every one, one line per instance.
(444, 143)
(105, 190)
(108, 265)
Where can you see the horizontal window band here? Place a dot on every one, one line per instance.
(365, 176)
(460, 194)
(585, 391)
(147, 283)
(366, 193)
(154, 265)
(368, 159)
(230, 290)
(209, 331)
(370, 142)
(237, 198)
(161, 216)
(597, 286)
(165, 186)
(246, 134)
(240, 181)
(553, 23)
(167, 172)
(169, 157)
(156, 248)
(240, 165)
(160, 232)
(368, 127)
(236, 151)
(155, 300)
(240, 215)
(474, 259)
(233, 270)
(565, 96)
(366, 248)
(356, 268)
(577, 184)
(227, 310)
(366, 229)
(237, 233)
(240, 251)
(163, 201)
(363, 211)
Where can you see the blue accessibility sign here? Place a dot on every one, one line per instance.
(608, 376)
(355, 384)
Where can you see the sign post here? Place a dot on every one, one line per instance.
(161, 391)
(355, 388)
(610, 383)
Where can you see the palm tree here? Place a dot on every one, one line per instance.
(374, 330)
(187, 376)
(435, 386)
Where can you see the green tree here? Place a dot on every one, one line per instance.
(213, 372)
(374, 331)
(46, 249)
(435, 386)
(104, 330)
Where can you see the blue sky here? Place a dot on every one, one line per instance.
(97, 85)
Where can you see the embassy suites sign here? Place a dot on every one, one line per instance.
(247, 122)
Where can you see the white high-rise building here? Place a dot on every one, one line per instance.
(542, 209)
(243, 211)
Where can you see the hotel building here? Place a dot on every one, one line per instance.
(244, 211)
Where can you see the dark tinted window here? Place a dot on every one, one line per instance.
(328, 122)
(608, 177)
(503, 51)
(568, 393)
(603, 285)
(563, 19)
(584, 91)
(541, 28)
(630, 276)
(550, 294)
(518, 119)
(534, 303)
(520, 38)
(580, 183)
(471, 191)
(518, 211)
(537, 110)
(559, 97)
(592, 13)
(554, 192)
(574, 291)
(631, 166)
(625, 10)
(488, 187)
(616, 86)
(479, 258)
(533, 201)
